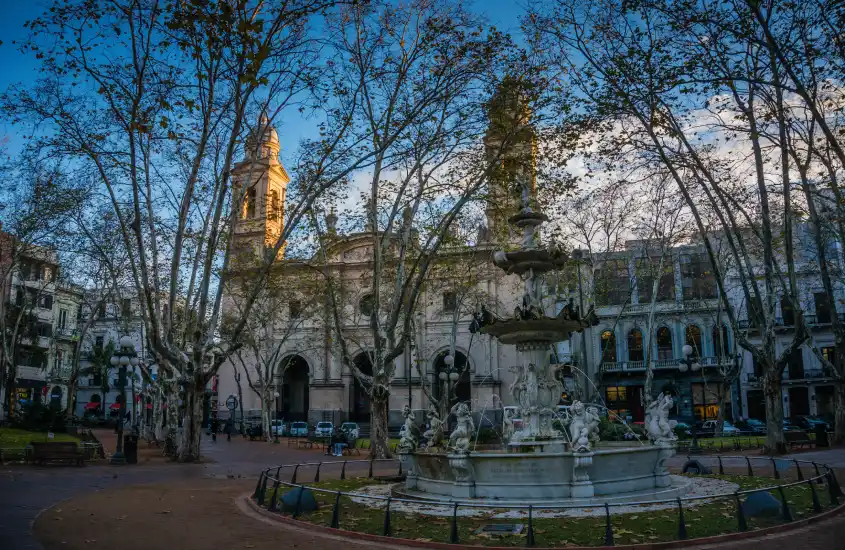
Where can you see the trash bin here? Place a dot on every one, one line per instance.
(821, 436)
(130, 448)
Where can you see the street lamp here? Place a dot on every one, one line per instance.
(276, 407)
(690, 363)
(449, 377)
(122, 358)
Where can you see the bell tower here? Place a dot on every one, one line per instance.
(260, 181)
(511, 147)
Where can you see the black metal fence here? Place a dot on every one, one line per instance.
(819, 478)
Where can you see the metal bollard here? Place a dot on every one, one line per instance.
(529, 536)
(750, 471)
(682, 525)
(787, 514)
(608, 529)
(274, 505)
(336, 512)
(343, 471)
(721, 467)
(263, 492)
(740, 514)
(400, 469)
(317, 473)
(775, 472)
(386, 530)
(817, 506)
(834, 500)
(370, 474)
(453, 535)
(293, 477)
(836, 486)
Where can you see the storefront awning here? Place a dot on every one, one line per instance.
(115, 406)
(91, 405)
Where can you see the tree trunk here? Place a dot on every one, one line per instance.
(189, 445)
(775, 442)
(839, 418)
(71, 397)
(379, 412)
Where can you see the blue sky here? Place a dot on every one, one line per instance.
(17, 68)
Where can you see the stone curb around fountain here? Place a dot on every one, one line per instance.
(249, 507)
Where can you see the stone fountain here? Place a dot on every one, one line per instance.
(544, 461)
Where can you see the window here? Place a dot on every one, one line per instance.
(823, 312)
(249, 204)
(613, 284)
(275, 206)
(704, 402)
(697, 278)
(693, 338)
(45, 302)
(101, 310)
(48, 273)
(664, 344)
(608, 347)
(787, 312)
(721, 343)
(19, 297)
(829, 354)
(450, 302)
(635, 345)
(795, 364)
(647, 270)
(126, 308)
(616, 398)
(294, 309)
(62, 318)
(365, 305)
(98, 343)
(59, 359)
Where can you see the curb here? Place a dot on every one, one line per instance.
(391, 541)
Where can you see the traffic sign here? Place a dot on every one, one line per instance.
(232, 403)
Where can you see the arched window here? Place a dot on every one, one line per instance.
(664, 344)
(721, 343)
(635, 345)
(248, 210)
(275, 206)
(608, 347)
(693, 338)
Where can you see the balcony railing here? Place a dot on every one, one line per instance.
(60, 373)
(808, 374)
(66, 333)
(664, 364)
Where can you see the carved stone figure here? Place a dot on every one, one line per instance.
(593, 420)
(507, 425)
(408, 442)
(434, 434)
(658, 426)
(461, 436)
(583, 426)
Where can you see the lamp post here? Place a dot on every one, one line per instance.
(122, 358)
(272, 425)
(690, 363)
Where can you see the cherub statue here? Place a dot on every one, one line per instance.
(434, 434)
(461, 436)
(507, 425)
(579, 431)
(593, 420)
(410, 434)
(658, 426)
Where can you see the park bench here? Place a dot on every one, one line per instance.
(797, 438)
(55, 451)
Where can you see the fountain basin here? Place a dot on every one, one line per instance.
(601, 475)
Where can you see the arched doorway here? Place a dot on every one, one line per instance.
(461, 389)
(360, 396)
(294, 397)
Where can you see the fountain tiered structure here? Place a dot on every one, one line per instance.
(544, 461)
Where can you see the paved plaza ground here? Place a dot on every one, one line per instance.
(157, 504)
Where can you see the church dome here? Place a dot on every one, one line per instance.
(263, 140)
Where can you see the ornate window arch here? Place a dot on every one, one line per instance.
(636, 351)
(665, 351)
(607, 341)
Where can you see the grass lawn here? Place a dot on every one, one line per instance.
(12, 438)
(714, 518)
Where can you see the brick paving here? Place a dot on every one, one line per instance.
(26, 491)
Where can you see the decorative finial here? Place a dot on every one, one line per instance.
(331, 222)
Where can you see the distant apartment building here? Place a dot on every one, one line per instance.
(39, 312)
(687, 312)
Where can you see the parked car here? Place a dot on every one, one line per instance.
(789, 426)
(811, 423)
(684, 428)
(351, 430)
(708, 429)
(298, 429)
(278, 428)
(324, 429)
(752, 426)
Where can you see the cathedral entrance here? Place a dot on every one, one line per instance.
(460, 388)
(360, 397)
(294, 397)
